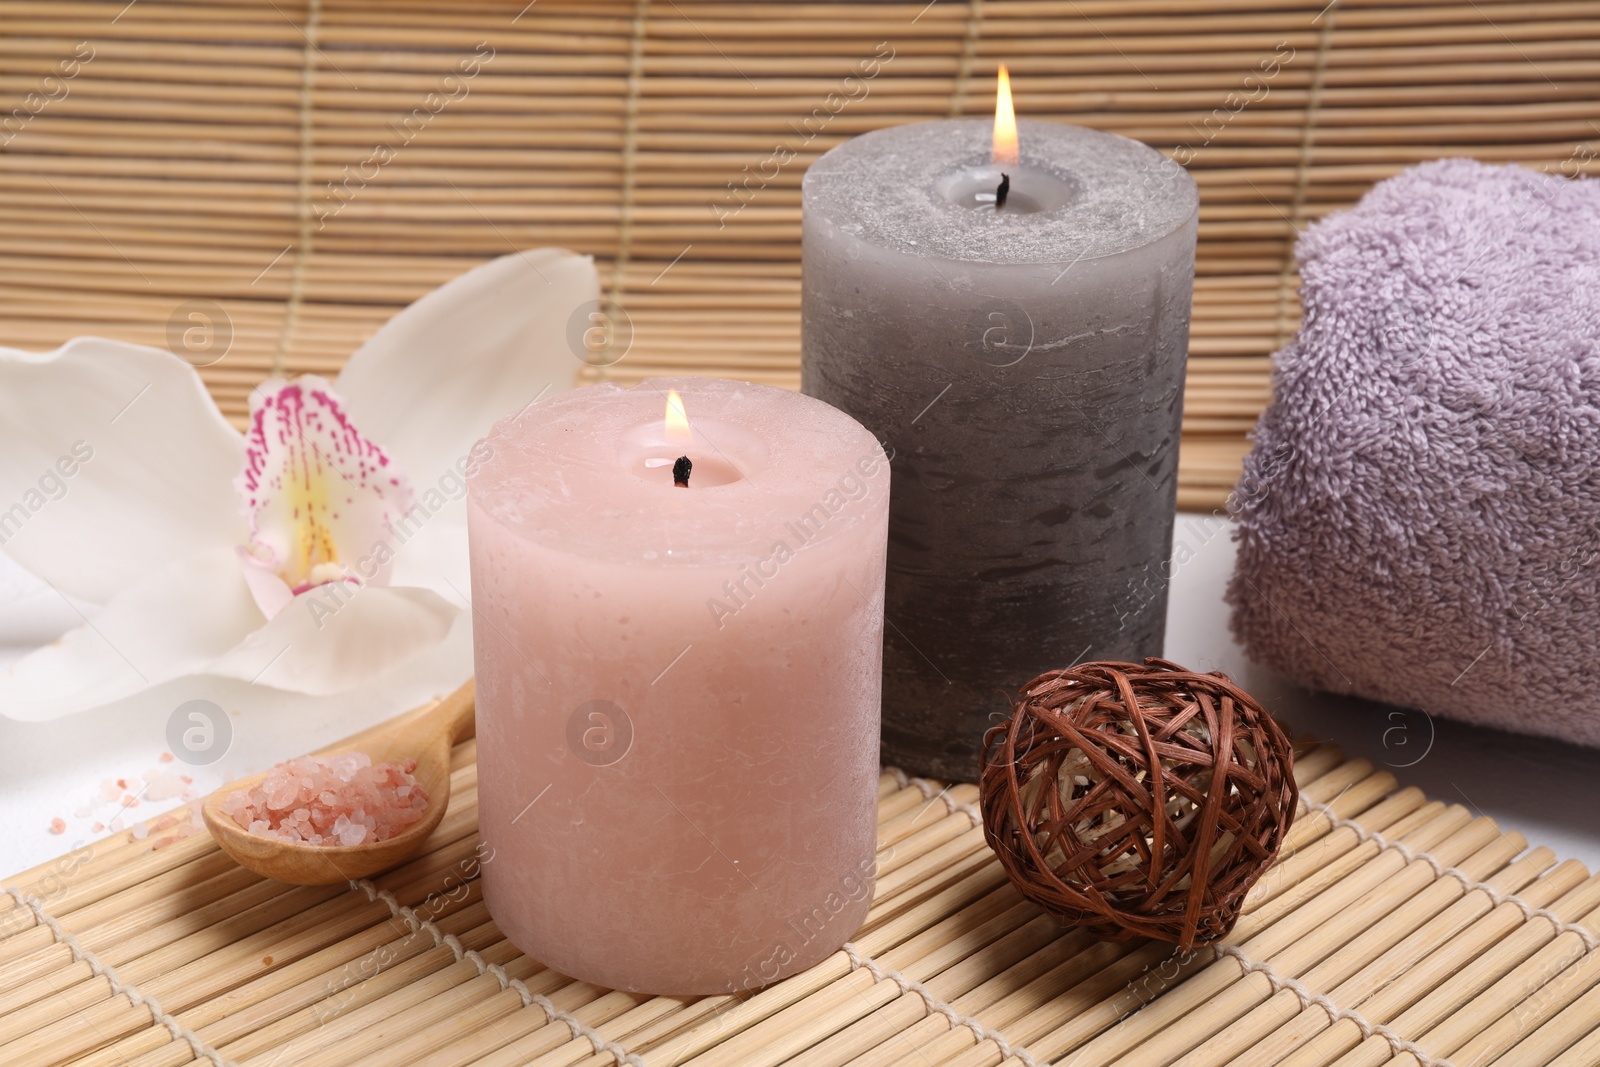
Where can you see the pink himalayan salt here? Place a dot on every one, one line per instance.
(184, 822)
(163, 784)
(343, 799)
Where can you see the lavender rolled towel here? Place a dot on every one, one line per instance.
(1419, 516)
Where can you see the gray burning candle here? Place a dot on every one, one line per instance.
(1024, 366)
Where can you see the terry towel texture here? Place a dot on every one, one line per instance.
(1419, 516)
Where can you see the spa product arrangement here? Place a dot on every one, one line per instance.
(680, 593)
(679, 588)
(720, 632)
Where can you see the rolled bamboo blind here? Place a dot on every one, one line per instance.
(310, 167)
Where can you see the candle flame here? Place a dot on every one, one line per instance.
(676, 420)
(1005, 123)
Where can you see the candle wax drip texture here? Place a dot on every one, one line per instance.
(1026, 372)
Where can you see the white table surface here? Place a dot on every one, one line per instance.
(1548, 791)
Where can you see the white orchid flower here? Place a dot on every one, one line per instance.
(314, 553)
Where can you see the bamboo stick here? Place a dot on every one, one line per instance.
(153, 917)
(280, 981)
(1376, 898)
(1389, 1003)
(933, 1041)
(679, 1019)
(1573, 1030)
(856, 993)
(1250, 1058)
(322, 1042)
(1310, 853)
(1363, 871)
(775, 998)
(1396, 943)
(1467, 979)
(441, 1019)
(962, 850)
(487, 1048)
(115, 1018)
(428, 1032)
(145, 957)
(1541, 1006)
(894, 1031)
(1338, 781)
(297, 922)
(325, 985)
(1030, 935)
(1107, 997)
(1508, 997)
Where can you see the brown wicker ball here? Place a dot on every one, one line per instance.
(1137, 801)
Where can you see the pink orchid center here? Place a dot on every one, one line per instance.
(320, 498)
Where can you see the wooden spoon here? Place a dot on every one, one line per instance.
(425, 735)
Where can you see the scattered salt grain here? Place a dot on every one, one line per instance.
(184, 822)
(162, 785)
(58, 826)
(344, 799)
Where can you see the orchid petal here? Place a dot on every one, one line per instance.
(271, 593)
(430, 382)
(436, 559)
(321, 498)
(198, 618)
(167, 626)
(114, 463)
(339, 636)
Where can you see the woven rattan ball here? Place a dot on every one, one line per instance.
(1137, 800)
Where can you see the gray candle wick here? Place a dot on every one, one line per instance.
(1000, 193)
(680, 472)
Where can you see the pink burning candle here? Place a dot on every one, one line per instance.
(678, 685)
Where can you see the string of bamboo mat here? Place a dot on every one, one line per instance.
(205, 152)
(1392, 930)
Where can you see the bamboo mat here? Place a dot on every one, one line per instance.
(158, 152)
(1393, 930)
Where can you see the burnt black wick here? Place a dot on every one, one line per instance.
(680, 472)
(1000, 193)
